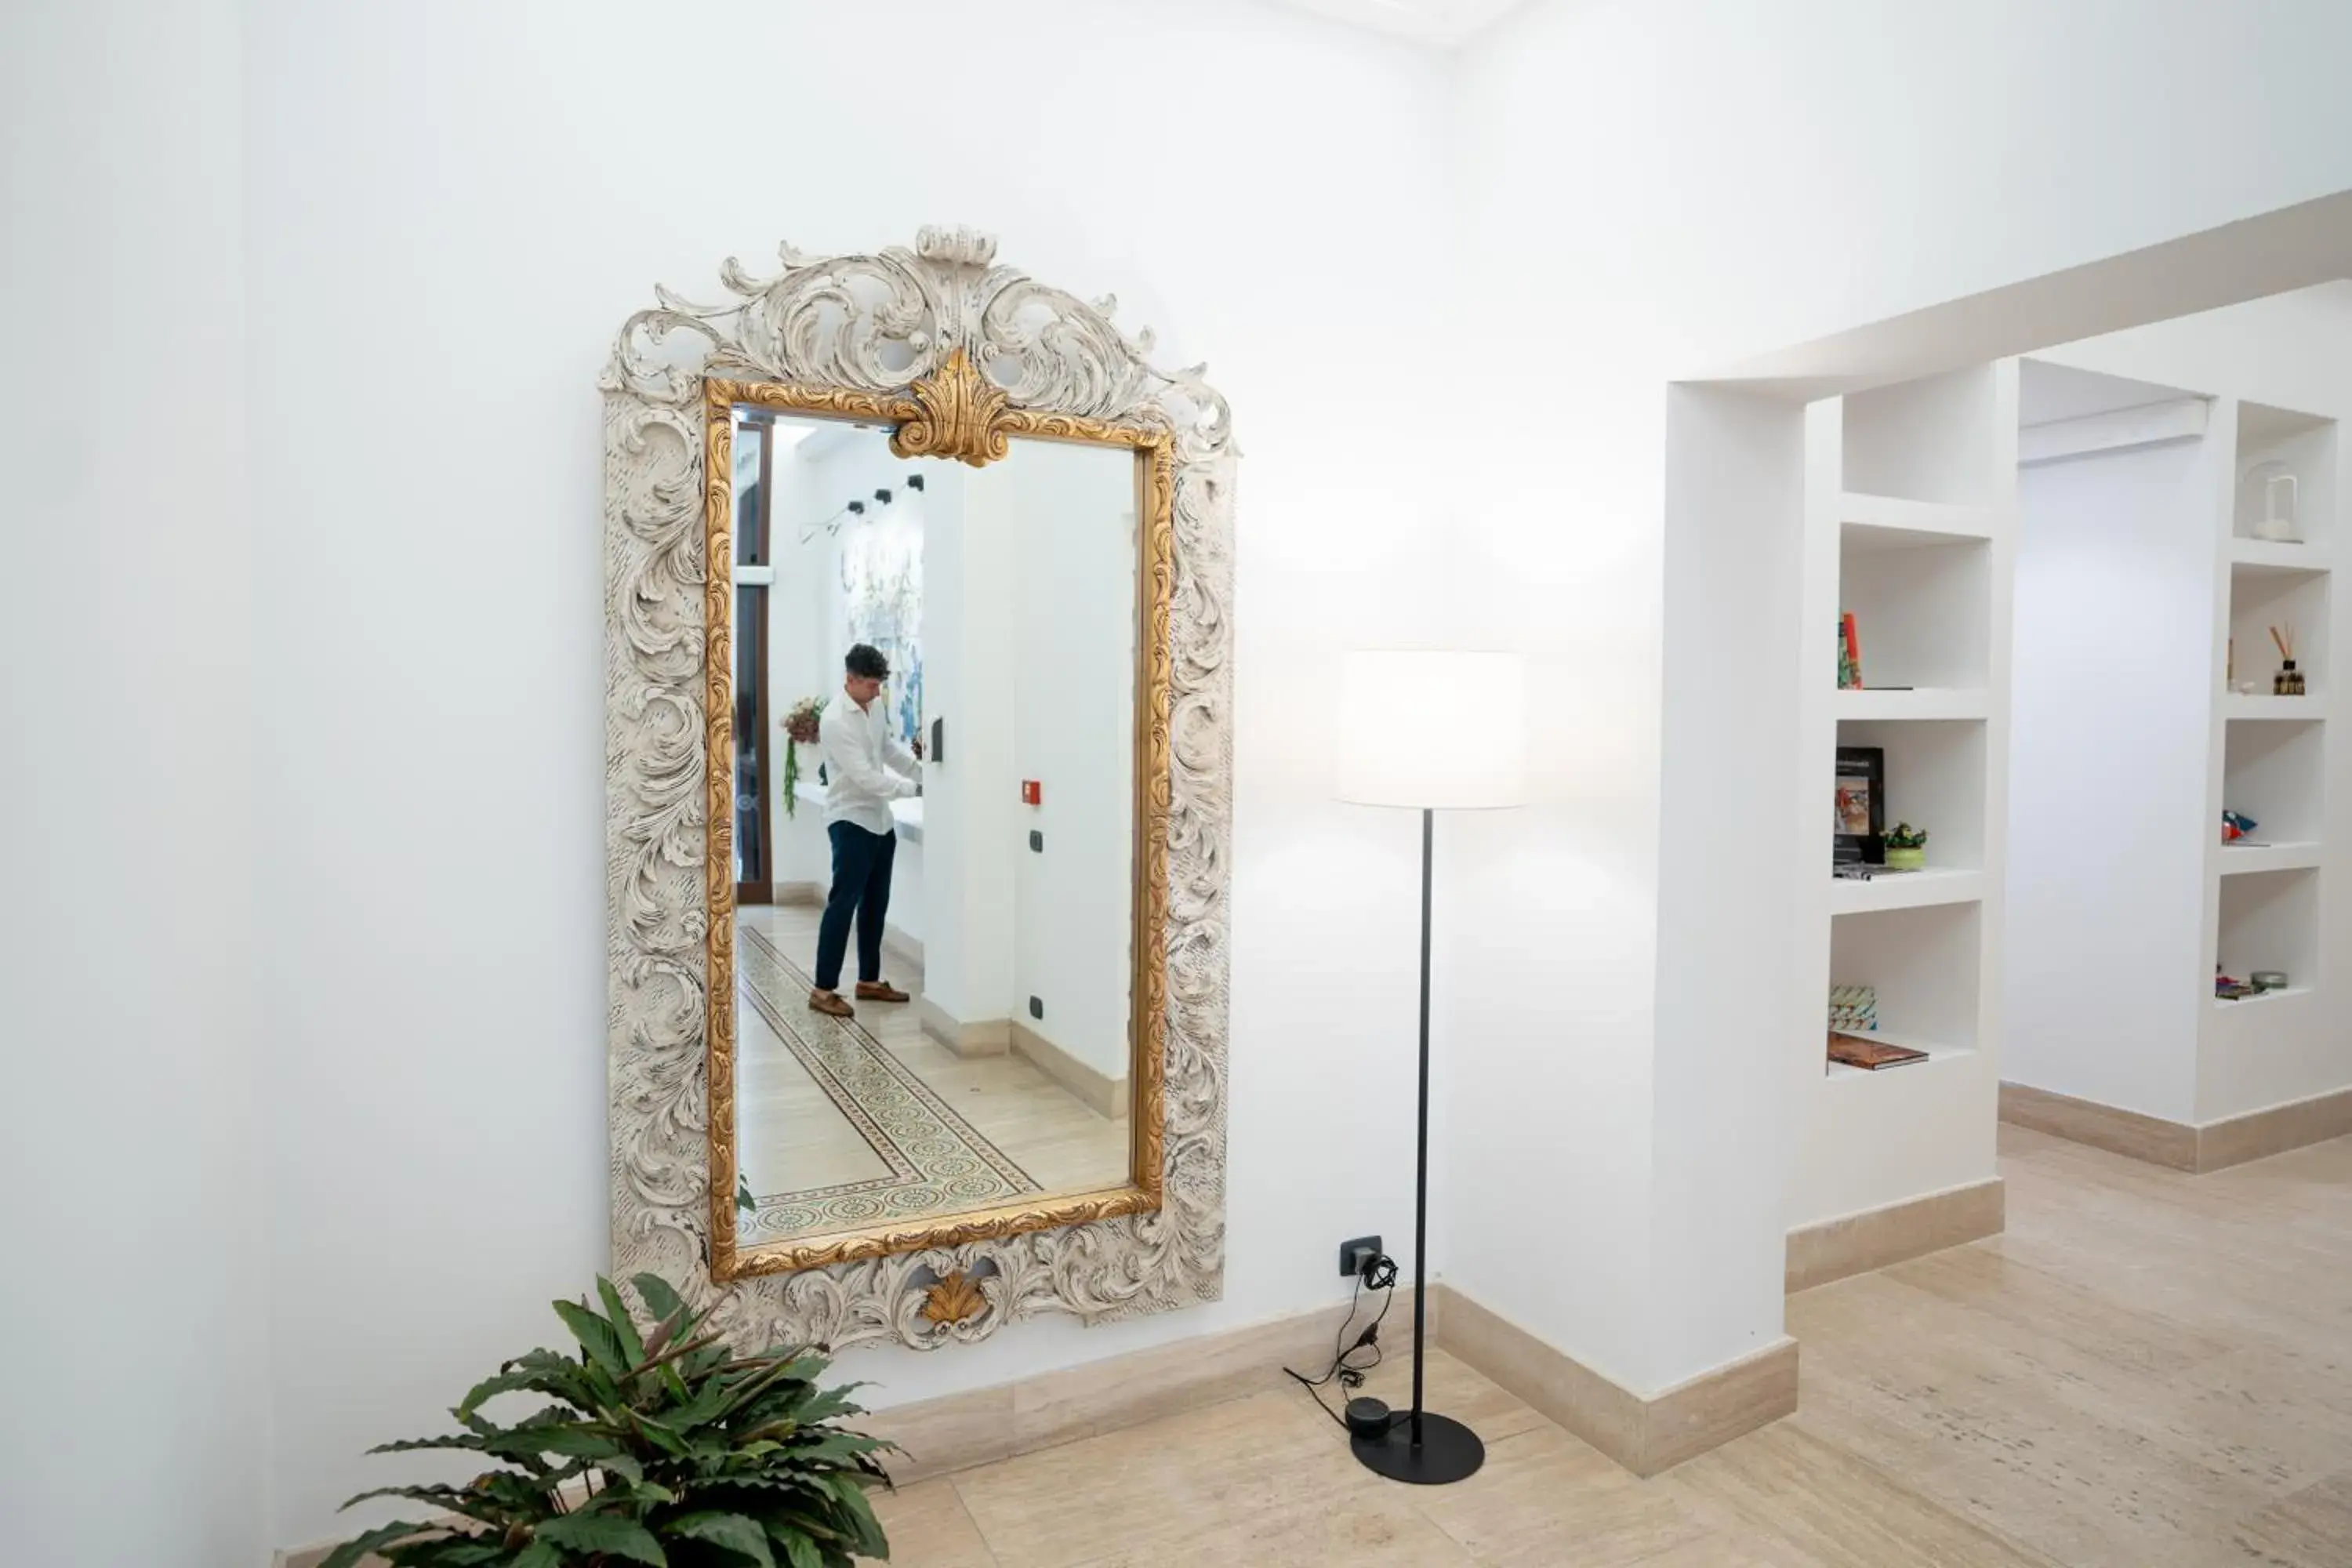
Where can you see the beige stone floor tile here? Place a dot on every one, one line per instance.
(2279, 1419)
(1362, 1527)
(2197, 1286)
(1546, 1496)
(2080, 1317)
(2085, 1457)
(1752, 1550)
(1151, 1489)
(2311, 1528)
(2149, 1370)
(1449, 1387)
(1783, 1484)
(928, 1527)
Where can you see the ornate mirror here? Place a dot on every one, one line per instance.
(918, 767)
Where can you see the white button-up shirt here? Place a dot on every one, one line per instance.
(859, 753)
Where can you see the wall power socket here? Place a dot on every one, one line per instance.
(1354, 1255)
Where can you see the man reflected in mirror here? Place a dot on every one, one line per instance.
(867, 767)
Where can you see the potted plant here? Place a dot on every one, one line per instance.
(800, 730)
(664, 1447)
(1906, 847)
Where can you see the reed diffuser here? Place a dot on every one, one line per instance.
(2289, 680)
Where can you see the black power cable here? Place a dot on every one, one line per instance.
(1380, 1274)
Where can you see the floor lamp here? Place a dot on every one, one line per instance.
(1433, 732)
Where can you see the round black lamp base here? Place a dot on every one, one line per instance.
(1448, 1451)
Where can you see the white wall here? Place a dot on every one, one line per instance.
(1075, 579)
(2111, 706)
(453, 208)
(971, 658)
(1652, 188)
(798, 664)
(135, 1284)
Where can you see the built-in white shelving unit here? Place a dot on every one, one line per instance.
(2270, 904)
(1910, 513)
(2213, 513)
(2264, 897)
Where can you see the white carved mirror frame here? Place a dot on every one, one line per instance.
(894, 324)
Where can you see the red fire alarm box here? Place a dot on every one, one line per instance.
(1031, 792)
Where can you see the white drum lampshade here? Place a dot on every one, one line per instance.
(1435, 730)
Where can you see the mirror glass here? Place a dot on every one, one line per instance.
(935, 833)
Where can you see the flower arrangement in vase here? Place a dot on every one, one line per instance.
(800, 728)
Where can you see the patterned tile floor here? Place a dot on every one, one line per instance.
(924, 1130)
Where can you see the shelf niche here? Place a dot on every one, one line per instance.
(1924, 964)
(2274, 771)
(1921, 607)
(2302, 444)
(2262, 597)
(1927, 440)
(1935, 780)
(2270, 920)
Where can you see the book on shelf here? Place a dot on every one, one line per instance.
(1853, 1009)
(1871, 1056)
(1848, 654)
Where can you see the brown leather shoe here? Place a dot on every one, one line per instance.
(880, 991)
(831, 1004)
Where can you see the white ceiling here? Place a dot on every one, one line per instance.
(1441, 22)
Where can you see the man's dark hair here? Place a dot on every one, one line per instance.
(866, 662)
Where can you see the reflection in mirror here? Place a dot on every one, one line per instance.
(933, 953)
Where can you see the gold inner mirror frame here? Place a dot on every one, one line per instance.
(955, 415)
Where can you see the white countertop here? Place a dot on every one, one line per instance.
(908, 813)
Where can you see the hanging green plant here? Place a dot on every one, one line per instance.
(665, 1448)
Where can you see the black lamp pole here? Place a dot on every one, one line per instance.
(1421, 1447)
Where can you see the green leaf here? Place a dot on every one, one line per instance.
(852, 1494)
(470, 1554)
(595, 1336)
(348, 1553)
(799, 1552)
(738, 1534)
(542, 1371)
(607, 1533)
(832, 1401)
(439, 1497)
(660, 1298)
(616, 1312)
(574, 1442)
(638, 1493)
(659, 1436)
(835, 1447)
(539, 1554)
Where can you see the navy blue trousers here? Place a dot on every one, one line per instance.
(861, 889)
